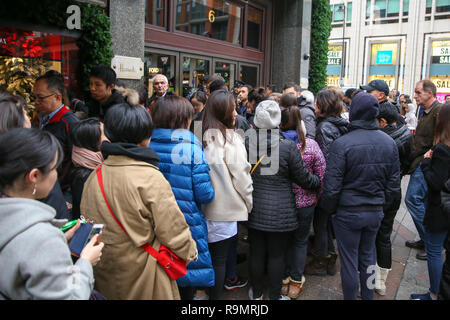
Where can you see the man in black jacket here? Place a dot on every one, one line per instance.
(362, 176)
(403, 137)
(103, 95)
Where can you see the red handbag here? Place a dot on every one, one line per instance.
(174, 266)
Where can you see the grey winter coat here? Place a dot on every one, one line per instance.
(35, 260)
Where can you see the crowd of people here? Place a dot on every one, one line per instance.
(305, 180)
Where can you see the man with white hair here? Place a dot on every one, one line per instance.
(307, 110)
(160, 85)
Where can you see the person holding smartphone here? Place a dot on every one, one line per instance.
(34, 256)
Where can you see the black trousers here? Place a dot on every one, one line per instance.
(219, 254)
(270, 248)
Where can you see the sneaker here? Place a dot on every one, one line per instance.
(250, 295)
(284, 298)
(421, 296)
(238, 282)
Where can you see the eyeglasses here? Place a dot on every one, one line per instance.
(37, 98)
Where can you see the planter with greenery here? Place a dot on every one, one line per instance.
(320, 32)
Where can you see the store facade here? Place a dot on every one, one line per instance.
(189, 40)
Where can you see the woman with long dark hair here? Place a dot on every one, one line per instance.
(230, 178)
(436, 170)
(34, 255)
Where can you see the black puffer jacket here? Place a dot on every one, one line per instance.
(329, 129)
(436, 172)
(273, 199)
(363, 170)
(403, 137)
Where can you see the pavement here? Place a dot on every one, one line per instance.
(408, 274)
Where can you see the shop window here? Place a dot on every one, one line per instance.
(384, 63)
(155, 11)
(219, 20)
(337, 14)
(335, 64)
(442, 10)
(25, 55)
(227, 71)
(194, 73)
(254, 27)
(439, 71)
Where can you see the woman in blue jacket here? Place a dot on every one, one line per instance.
(184, 165)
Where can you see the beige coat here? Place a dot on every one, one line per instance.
(142, 200)
(230, 178)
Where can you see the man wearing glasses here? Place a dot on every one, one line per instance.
(55, 117)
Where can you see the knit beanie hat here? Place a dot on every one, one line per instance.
(267, 115)
(364, 107)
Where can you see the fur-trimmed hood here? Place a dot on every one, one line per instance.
(130, 95)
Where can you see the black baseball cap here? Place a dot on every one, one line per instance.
(379, 85)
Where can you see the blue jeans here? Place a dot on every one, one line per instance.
(355, 237)
(416, 199)
(434, 244)
(298, 243)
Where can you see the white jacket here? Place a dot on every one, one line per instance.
(230, 177)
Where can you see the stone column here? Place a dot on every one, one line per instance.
(128, 32)
(291, 37)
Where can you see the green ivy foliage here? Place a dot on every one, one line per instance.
(95, 43)
(320, 32)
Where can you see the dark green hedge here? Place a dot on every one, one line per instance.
(320, 32)
(95, 42)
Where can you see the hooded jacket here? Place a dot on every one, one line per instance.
(363, 168)
(274, 207)
(143, 202)
(188, 175)
(34, 256)
(410, 117)
(308, 113)
(329, 129)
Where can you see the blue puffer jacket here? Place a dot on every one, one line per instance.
(183, 163)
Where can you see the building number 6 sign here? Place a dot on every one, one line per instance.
(211, 16)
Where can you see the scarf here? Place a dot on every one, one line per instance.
(85, 158)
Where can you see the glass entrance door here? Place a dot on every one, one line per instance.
(249, 74)
(194, 70)
(227, 70)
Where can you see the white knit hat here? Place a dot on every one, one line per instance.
(267, 115)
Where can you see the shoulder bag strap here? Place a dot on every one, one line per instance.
(257, 164)
(150, 250)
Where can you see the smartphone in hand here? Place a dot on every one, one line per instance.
(83, 235)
